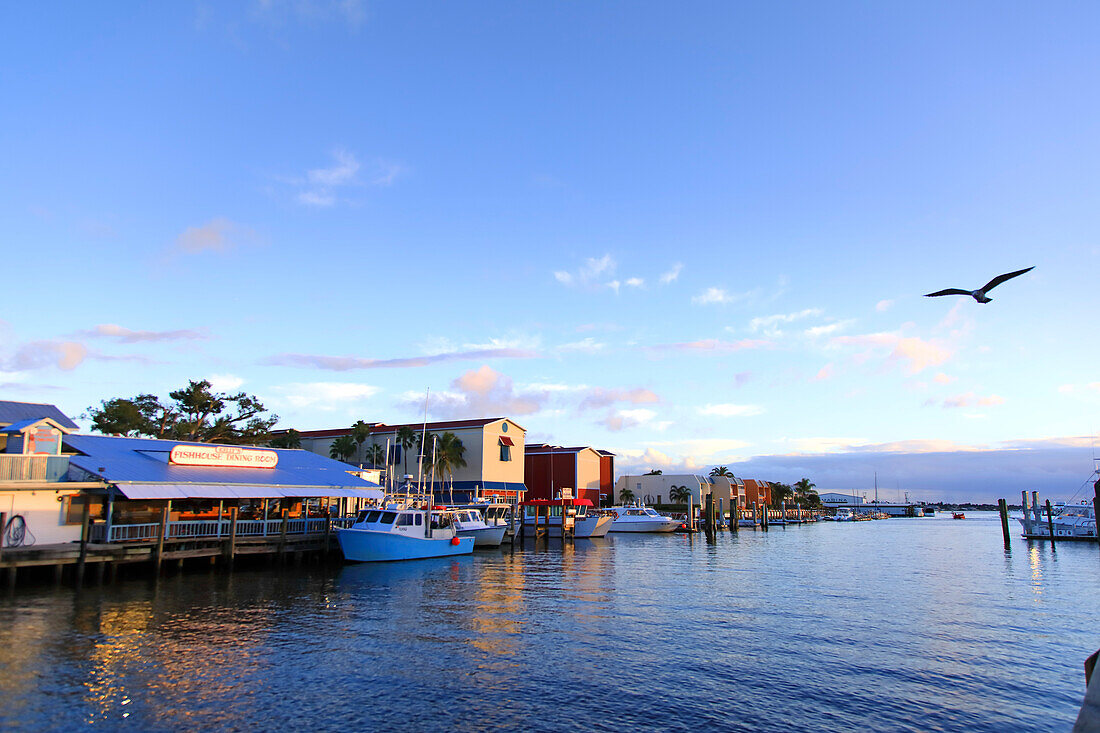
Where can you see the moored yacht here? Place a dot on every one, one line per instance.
(1070, 522)
(397, 532)
(640, 518)
(585, 524)
(844, 515)
(470, 523)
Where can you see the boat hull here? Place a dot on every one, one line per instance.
(587, 528)
(485, 537)
(650, 527)
(359, 545)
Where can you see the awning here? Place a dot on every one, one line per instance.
(244, 491)
(505, 440)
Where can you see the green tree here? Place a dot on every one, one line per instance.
(406, 438)
(626, 496)
(805, 494)
(343, 448)
(679, 494)
(654, 472)
(781, 493)
(360, 431)
(376, 455)
(450, 456)
(721, 471)
(290, 439)
(195, 413)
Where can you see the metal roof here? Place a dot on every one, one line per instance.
(18, 427)
(145, 460)
(13, 412)
(239, 491)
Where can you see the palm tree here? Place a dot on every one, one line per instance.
(720, 471)
(802, 489)
(626, 496)
(343, 448)
(376, 455)
(450, 455)
(679, 494)
(360, 431)
(654, 472)
(290, 439)
(406, 438)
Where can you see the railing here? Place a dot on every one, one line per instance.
(33, 468)
(212, 528)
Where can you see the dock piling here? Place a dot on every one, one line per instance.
(3, 531)
(1050, 524)
(85, 530)
(161, 532)
(282, 535)
(735, 514)
(1003, 506)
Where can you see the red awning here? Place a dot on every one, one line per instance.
(556, 502)
(505, 440)
(582, 502)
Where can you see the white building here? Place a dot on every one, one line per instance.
(832, 498)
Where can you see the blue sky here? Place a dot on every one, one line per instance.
(692, 235)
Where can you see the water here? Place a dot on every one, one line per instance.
(918, 624)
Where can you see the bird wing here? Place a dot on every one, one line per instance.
(949, 291)
(1001, 278)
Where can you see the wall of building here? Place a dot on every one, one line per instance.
(545, 474)
(44, 513)
(658, 487)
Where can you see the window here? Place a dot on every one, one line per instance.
(362, 517)
(505, 452)
(373, 516)
(405, 520)
(388, 517)
(419, 520)
(73, 508)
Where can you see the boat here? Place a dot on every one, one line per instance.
(844, 515)
(1070, 521)
(586, 524)
(471, 523)
(640, 518)
(398, 532)
(958, 515)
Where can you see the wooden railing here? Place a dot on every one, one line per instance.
(213, 529)
(33, 468)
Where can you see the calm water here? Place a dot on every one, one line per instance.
(921, 625)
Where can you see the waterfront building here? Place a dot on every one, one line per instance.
(494, 452)
(757, 492)
(49, 476)
(834, 499)
(655, 489)
(588, 471)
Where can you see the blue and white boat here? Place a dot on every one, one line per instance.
(399, 533)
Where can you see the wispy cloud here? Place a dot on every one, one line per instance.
(593, 273)
(883, 305)
(66, 355)
(323, 187)
(915, 353)
(718, 296)
(352, 13)
(969, 399)
(728, 409)
(618, 420)
(124, 335)
(826, 372)
(225, 382)
(672, 273)
(217, 235)
(599, 397)
(349, 363)
(585, 346)
(711, 345)
(770, 324)
(634, 282)
(481, 392)
(326, 396)
(828, 329)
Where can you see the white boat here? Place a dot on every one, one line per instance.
(585, 524)
(844, 515)
(471, 523)
(640, 518)
(1070, 521)
(398, 533)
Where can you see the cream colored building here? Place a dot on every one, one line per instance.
(494, 454)
(655, 489)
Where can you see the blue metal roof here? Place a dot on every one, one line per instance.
(13, 412)
(145, 460)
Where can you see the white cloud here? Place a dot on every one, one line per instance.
(915, 353)
(942, 378)
(716, 296)
(590, 274)
(614, 285)
(340, 173)
(672, 274)
(224, 382)
(322, 187)
(599, 397)
(731, 410)
(129, 336)
(587, 345)
(828, 329)
(883, 305)
(323, 395)
(770, 324)
(969, 399)
(563, 277)
(217, 235)
(635, 282)
(482, 392)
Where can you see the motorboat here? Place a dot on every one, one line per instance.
(401, 532)
(586, 524)
(844, 515)
(1070, 521)
(640, 518)
(471, 523)
(958, 515)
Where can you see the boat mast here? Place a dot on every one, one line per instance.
(420, 458)
(431, 496)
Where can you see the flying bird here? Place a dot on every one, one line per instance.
(980, 294)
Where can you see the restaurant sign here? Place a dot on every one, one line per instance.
(225, 456)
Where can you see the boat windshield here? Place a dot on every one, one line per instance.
(652, 513)
(388, 517)
(372, 516)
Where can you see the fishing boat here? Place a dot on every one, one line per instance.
(400, 533)
(1070, 522)
(586, 524)
(471, 523)
(640, 518)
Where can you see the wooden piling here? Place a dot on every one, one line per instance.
(282, 535)
(328, 532)
(1027, 519)
(1003, 506)
(735, 514)
(85, 530)
(1050, 524)
(161, 532)
(3, 531)
(1096, 504)
(231, 545)
(708, 517)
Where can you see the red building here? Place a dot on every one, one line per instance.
(757, 492)
(550, 468)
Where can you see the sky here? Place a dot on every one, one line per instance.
(693, 234)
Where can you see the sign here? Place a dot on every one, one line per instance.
(567, 493)
(224, 456)
(43, 441)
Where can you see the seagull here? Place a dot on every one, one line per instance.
(980, 294)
